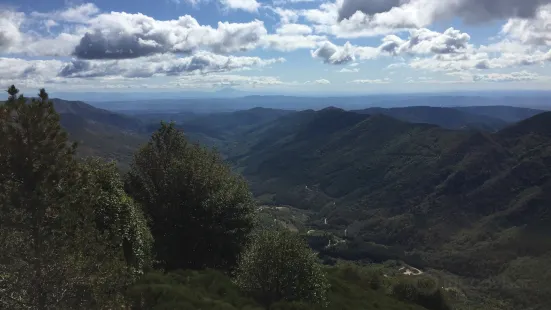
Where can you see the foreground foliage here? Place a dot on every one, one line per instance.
(351, 288)
(51, 233)
(200, 212)
(279, 265)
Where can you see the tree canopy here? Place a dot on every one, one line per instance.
(51, 243)
(279, 265)
(200, 212)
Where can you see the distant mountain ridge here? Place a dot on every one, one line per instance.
(451, 118)
(227, 104)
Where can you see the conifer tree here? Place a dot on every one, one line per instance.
(200, 212)
(53, 254)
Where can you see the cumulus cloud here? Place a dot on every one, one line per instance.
(425, 41)
(478, 61)
(75, 14)
(18, 68)
(425, 12)
(333, 54)
(245, 5)
(536, 31)
(202, 62)
(358, 18)
(286, 16)
(369, 7)
(338, 55)
(10, 36)
(123, 35)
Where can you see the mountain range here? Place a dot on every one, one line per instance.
(230, 104)
(462, 193)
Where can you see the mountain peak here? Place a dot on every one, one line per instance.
(332, 108)
(538, 124)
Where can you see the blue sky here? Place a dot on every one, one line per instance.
(293, 46)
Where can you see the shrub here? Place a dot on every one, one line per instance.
(278, 265)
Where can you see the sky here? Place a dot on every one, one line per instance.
(345, 46)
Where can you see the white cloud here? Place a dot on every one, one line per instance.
(333, 54)
(75, 14)
(425, 41)
(119, 35)
(478, 61)
(287, 43)
(123, 35)
(287, 29)
(10, 35)
(419, 13)
(318, 82)
(536, 31)
(349, 70)
(374, 81)
(217, 80)
(508, 77)
(286, 16)
(245, 5)
(17, 68)
(358, 18)
(285, 2)
(202, 62)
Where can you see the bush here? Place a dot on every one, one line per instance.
(278, 265)
(207, 289)
(422, 291)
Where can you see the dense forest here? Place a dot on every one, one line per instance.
(178, 229)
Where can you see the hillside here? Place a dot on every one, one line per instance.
(467, 202)
(449, 118)
(506, 113)
(100, 132)
(218, 130)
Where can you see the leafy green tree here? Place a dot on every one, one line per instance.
(279, 265)
(117, 215)
(53, 254)
(200, 212)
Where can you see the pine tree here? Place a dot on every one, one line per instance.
(52, 254)
(200, 212)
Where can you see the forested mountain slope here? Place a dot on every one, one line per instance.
(100, 132)
(507, 113)
(450, 118)
(469, 202)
